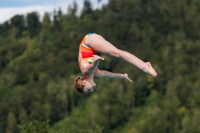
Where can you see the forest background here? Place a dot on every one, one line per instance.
(38, 64)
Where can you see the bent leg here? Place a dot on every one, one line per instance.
(99, 44)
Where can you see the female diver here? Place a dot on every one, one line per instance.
(88, 62)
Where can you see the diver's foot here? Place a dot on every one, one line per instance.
(150, 70)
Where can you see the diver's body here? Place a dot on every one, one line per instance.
(88, 62)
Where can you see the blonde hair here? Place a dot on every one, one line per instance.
(78, 85)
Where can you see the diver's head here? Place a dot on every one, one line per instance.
(82, 86)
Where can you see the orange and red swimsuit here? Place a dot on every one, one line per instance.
(86, 52)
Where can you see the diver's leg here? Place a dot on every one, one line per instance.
(99, 44)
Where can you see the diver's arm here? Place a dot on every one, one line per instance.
(91, 67)
(106, 74)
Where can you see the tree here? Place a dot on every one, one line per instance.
(4, 28)
(18, 22)
(12, 123)
(46, 21)
(87, 8)
(35, 127)
(33, 24)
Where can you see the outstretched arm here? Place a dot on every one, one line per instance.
(106, 74)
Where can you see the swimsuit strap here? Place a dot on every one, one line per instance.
(90, 33)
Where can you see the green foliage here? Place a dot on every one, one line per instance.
(4, 29)
(38, 64)
(35, 127)
(33, 24)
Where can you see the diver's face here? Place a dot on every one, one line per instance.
(88, 87)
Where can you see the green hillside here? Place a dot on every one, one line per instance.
(38, 64)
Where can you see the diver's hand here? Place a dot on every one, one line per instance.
(96, 58)
(127, 78)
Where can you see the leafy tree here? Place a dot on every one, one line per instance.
(18, 22)
(12, 123)
(35, 126)
(87, 8)
(4, 28)
(33, 23)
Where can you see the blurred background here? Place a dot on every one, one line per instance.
(39, 44)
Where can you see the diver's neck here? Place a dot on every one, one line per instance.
(90, 79)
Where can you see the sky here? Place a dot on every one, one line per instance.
(10, 8)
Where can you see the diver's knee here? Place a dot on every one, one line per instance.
(116, 53)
